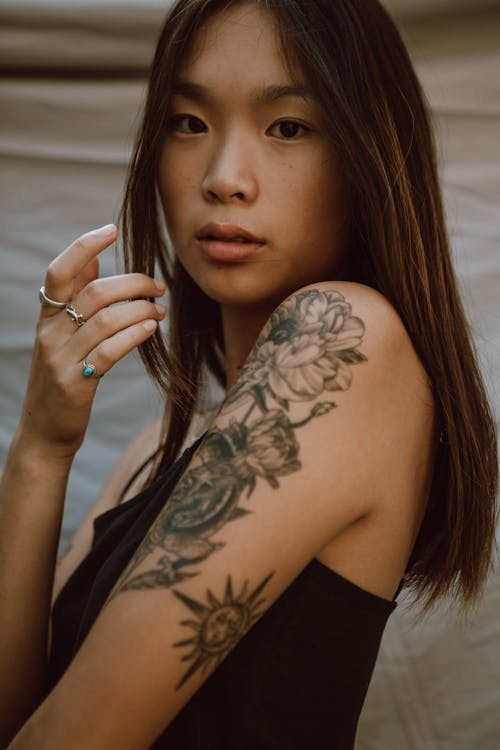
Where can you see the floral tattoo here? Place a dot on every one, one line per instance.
(307, 349)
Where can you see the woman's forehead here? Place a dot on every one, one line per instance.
(238, 41)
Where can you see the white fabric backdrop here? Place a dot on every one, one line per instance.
(71, 82)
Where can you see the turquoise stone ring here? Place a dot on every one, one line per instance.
(89, 370)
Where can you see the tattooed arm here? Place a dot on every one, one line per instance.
(326, 425)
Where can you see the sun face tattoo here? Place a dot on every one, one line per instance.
(220, 624)
(307, 348)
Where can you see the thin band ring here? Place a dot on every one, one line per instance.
(75, 316)
(47, 302)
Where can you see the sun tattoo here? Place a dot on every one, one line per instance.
(220, 625)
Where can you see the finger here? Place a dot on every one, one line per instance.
(62, 271)
(106, 323)
(110, 351)
(88, 274)
(107, 291)
(59, 329)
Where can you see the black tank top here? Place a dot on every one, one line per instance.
(297, 679)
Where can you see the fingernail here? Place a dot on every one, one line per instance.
(160, 285)
(150, 325)
(161, 309)
(107, 229)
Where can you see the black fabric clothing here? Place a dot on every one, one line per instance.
(297, 679)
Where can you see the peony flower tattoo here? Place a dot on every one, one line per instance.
(308, 347)
(272, 449)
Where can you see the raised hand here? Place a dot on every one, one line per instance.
(79, 342)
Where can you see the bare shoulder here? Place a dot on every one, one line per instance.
(380, 317)
(347, 298)
(372, 365)
(386, 343)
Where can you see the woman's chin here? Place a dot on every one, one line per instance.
(244, 293)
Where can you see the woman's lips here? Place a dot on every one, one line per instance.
(228, 243)
(228, 251)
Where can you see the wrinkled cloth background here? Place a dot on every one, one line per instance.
(71, 83)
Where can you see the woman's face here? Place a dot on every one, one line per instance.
(246, 156)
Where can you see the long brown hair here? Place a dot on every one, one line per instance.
(354, 58)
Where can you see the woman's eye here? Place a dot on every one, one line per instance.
(287, 129)
(188, 124)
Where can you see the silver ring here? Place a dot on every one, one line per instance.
(75, 316)
(47, 302)
(89, 370)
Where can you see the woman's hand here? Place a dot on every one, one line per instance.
(59, 397)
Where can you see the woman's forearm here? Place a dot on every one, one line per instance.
(32, 491)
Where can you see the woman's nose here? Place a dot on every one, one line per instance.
(230, 174)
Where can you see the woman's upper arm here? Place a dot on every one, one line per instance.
(302, 447)
(139, 449)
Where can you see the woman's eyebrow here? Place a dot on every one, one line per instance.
(265, 95)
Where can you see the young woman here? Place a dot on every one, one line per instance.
(284, 183)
